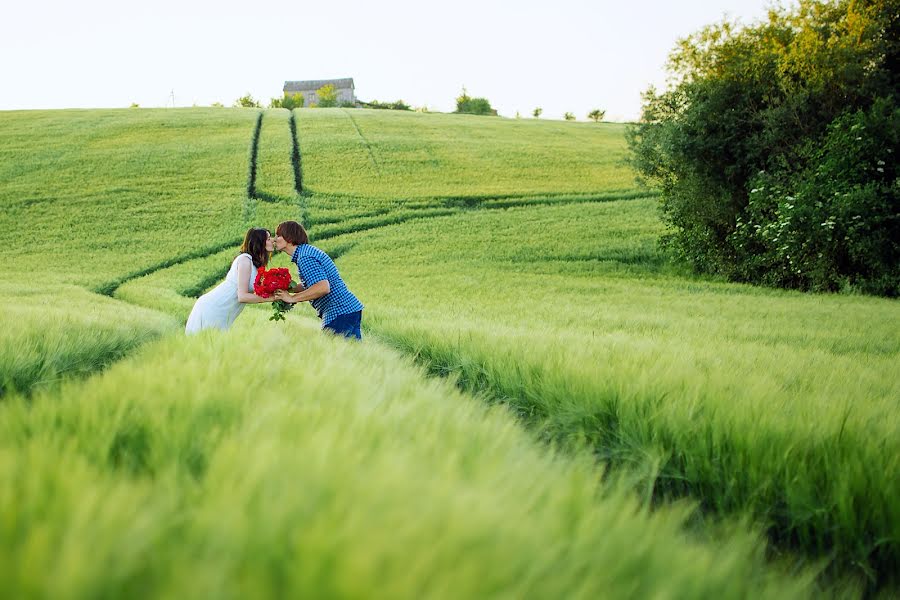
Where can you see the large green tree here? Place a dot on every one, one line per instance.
(775, 148)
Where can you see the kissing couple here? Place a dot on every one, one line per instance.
(320, 284)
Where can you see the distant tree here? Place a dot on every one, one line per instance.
(536, 113)
(398, 105)
(246, 101)
(518, 116)
(134, 105)
(596, 115)
(288, 102)
(569, 116)
(217, 105)
(465, 104)
(328, 96)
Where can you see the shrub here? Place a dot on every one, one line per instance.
(247, 101)
(767, 148)
(596, 115)
(465, 104)
(536, 113)
(398, 105)
(288, 101)
(569, 116)
(328, 96)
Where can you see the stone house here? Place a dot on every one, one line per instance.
(345, 89)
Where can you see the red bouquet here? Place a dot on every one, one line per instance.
(268, 282)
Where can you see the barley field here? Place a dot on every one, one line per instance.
(544, 404)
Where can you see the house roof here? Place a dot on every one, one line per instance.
(314, 84)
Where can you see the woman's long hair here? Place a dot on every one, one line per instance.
(255, 245)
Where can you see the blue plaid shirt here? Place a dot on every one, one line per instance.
(313, 265)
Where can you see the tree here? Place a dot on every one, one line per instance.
(569, 116)
(217, 105)
(288, 101)
(775, 148)
(596, 115)
(536, 113)
(473, 106)
(134, 105)
(246, 101)
(328, 96)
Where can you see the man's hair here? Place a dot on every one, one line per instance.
(293, 233)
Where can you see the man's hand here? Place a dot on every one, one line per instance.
(285, 296)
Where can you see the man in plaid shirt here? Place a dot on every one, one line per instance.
(320, 283)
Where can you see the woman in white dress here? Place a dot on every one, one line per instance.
(220, 306)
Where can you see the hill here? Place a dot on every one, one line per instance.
(516, 257)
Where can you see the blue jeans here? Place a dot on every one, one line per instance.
(346, 325)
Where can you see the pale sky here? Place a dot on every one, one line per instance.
(561, 55)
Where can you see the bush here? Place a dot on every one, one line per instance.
(767, 149)
(536, 113)
(596, 115)
(473, 106)
(569, 116)
(398, 105)
(246, 101)
(835, 224)
(328, 96)
(289, 102)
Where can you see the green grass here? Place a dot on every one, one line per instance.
(327, 469)
(113, 192)
(406, 156)
(275, 175)
(779, 405)
(44, 339)
(515, 257)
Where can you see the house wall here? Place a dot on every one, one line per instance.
(344, 95)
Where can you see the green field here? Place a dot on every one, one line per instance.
(606, 424)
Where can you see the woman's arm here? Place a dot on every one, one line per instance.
(243, 275)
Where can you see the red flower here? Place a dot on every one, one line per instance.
(267, 283)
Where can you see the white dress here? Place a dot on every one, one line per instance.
(219, 307)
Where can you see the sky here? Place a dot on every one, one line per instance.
(560, 55)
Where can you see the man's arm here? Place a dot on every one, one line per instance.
(313, 292)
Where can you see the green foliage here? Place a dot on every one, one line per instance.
(217, 105)
(596, 115)
(247, 101)
(536, 113)
(195, 470)
(327, 95)
(134, 105)
(569, 116)
(465, 104)
(398, 105)
(47, 335)
(764, 108)
(292, 101)
(574, 318)
(835, 224)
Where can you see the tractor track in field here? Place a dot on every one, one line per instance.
(378, 218)
(365, 142)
